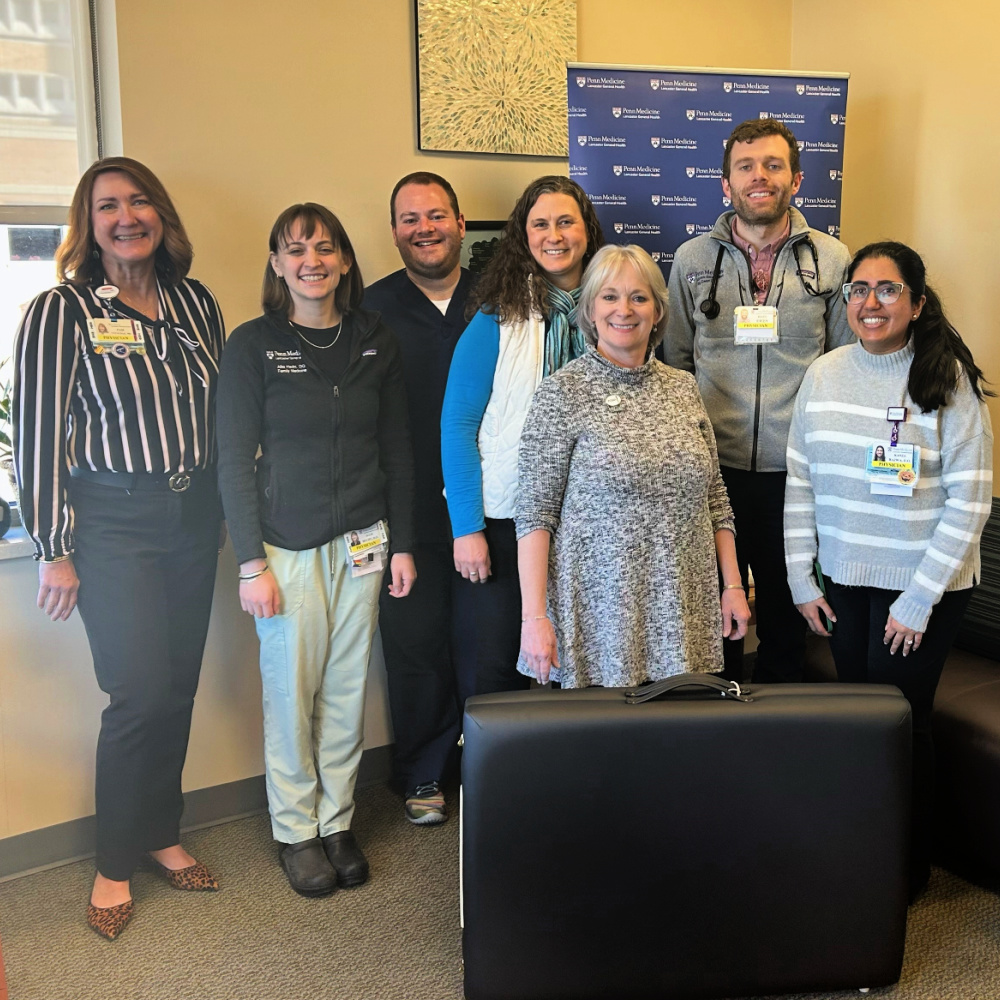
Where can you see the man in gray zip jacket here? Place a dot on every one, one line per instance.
(752, 305)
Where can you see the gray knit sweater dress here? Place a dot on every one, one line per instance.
(619, 466)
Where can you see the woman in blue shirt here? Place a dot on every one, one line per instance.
(523, 328)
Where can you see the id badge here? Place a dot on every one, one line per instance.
(367, 549)
(755, 325)
(119, 337)
(892, 471)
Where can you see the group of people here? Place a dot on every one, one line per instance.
(578, 511)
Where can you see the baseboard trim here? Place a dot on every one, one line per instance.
(64, 843)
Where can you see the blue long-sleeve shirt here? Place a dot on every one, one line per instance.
(470, 384)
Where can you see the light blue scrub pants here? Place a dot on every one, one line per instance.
(313, 667)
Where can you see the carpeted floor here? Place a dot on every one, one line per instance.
(396, 938)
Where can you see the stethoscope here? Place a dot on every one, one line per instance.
(710, 307)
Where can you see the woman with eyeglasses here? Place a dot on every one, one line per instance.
(114, 436)
(882, 556)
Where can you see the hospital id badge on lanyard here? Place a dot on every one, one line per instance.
(891, 468)
(755, 325)
(119, 337)
(367, 549)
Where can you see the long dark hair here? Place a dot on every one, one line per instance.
(274, 295)
(76, 259)
(937, 345)
(504, 288)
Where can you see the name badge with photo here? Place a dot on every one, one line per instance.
(892, 471)
(120, 337)
(367, 549)
(755, 325)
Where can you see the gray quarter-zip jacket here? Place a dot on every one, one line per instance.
(749, 390)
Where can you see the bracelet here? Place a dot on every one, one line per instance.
(536, 618)
(733, 586)
(247, 577)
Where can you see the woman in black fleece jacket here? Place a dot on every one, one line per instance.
(315, 384)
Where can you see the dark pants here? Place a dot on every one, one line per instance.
(862, 657)
(758, 501)
(146, 563)
(417, 643)
(487, 629)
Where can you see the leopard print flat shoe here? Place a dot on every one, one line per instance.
(109, 921)
(194, 878)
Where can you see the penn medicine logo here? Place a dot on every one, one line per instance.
(690, 114)
(656, 255)
(727, 202)
(689, 171)
(800, 89)
(654, 141)
(833, 175)
(617, 169)
(834, 119)
(654, 82)
(619, 226)
(582, 140)
(655, 198)
(800, 144)
(799, 202)
(581, 81)
(689, 228)
(727, 87)
(832, 230)
(617, 112)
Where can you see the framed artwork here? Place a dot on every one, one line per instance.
(491, 75)
(480, 243)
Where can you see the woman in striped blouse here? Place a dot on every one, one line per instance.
(114, 437)
(889, 486)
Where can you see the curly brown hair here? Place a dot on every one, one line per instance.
(505, 288)
(76, 260)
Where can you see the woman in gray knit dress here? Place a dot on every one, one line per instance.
(622, 516)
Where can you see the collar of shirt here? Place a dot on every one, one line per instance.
(762, 261)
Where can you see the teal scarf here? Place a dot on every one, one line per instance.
(563, 339)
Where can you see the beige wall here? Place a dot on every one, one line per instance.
(243, 110)
(251, 111)
(923, 136)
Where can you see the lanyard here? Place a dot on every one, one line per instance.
(895, 414)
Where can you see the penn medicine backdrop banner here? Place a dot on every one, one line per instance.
(646, 144)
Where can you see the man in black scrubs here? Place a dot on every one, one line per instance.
(424, 303)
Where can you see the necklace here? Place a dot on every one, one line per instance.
(322, 347)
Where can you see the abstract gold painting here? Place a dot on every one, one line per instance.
(492, 75)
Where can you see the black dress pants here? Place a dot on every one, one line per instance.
(423, 694)
(758, 502)
(487, 630)
(146, 562)
(861, 657)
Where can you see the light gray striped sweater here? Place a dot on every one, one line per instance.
(921, 545)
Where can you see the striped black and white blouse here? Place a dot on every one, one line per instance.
(75, 406)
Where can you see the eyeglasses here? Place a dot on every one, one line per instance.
(887, 292)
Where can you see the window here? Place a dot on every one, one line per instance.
(47, 137)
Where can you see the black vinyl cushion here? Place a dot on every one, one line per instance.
(966, 724)
(686, 848)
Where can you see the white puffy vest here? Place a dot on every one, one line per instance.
(518, 372)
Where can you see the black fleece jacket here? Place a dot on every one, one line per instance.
(334, 458)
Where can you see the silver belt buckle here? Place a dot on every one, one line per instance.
(179, 482)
